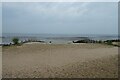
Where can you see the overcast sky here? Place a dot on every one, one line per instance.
(60, 18)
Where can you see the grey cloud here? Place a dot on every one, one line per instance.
(66, 18)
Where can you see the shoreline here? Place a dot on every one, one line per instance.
(57, 39)
(107, 42)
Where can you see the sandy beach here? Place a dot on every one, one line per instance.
(0, 62)
(60, 61)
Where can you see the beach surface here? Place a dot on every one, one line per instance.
(0, 62)
(37, 60)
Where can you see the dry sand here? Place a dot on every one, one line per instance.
(0, 62)
(60, 61)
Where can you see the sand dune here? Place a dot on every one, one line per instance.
(60, 60)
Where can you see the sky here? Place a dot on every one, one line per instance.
(60, 17)
(0, 19)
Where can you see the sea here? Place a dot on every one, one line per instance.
(6, 38)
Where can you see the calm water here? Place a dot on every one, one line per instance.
(55, 38)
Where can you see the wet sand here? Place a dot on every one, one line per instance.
(60, 61)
